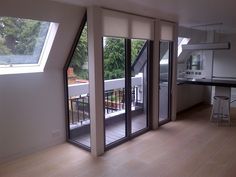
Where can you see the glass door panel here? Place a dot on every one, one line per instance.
(78, 102)
(138, 85)
(114, 89)
(165, 82)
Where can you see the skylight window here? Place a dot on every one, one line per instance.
(182, 41)
(24, 44)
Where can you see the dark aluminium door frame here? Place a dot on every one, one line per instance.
(128, 87)
(75, 42)
(170, 76)
(128, 82)
(129, 134)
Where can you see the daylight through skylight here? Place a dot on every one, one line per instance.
(182, 41)
(24, 43)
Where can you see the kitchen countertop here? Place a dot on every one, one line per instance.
(210, 82)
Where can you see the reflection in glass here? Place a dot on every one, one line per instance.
(138, 85)
(164, 83)
(194, 62)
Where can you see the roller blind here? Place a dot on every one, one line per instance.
(167, 30)
(117, 24)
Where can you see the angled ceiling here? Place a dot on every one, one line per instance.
(187, 12)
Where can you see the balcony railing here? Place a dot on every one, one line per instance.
(114, 99)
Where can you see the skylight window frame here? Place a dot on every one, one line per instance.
(43, 57)
(184, 41)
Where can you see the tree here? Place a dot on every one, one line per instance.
(114, 56)
(3, 49)
(80, 56)
(136, 47)
(19, 36)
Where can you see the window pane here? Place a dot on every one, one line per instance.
(114, 89)
(139, 79)
(182, 41)
(78, 87)
(164, 82)
(21, 40)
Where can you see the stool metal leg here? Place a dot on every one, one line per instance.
(229, 120)
(221, 110)
(212, 113)
(219, 113)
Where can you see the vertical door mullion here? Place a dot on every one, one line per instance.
(170, 77)
(128, 86)
(159, 86)
(149, 73)
(169, 80)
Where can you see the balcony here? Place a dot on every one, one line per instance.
(114, 108)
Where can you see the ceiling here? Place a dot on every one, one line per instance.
(187, 12)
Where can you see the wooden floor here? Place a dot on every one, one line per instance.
(189, 147)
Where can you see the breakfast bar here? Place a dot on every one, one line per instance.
(208, 82)
(222, 90)
(222, 86)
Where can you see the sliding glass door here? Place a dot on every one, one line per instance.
(77, 86)
(114, 89)
(125, 66)
(139, 82)
(165, 82)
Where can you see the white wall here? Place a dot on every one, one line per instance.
(32, 105)
(225, 60)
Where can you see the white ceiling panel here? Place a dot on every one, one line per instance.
(187, 12)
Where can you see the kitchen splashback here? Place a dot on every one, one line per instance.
(198, 65)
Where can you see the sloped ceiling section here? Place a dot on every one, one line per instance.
(187, 12)
(126, 6)
(196, 36)
(68, 17)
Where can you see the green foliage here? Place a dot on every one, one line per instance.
(114, 58)
(3, 49)
(18, 36)
(136, 47)
(80, 56)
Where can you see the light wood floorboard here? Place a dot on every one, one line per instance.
(189, 147)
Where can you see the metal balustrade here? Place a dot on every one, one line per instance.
(114, 99)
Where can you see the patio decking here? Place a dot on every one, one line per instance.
(116, 130)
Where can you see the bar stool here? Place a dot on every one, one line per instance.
(221, 109)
